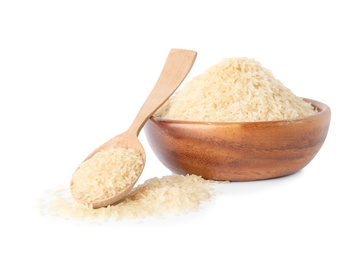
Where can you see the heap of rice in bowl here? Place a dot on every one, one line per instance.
(235, 90)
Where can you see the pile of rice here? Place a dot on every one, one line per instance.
(235, 90)
(106, 173)
(172, 195)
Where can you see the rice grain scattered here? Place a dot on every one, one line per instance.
(156, 197)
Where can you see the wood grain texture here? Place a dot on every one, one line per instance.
(239, 151)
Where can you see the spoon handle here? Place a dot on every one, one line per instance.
(176, 68)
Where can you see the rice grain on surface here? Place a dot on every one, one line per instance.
(168, 195)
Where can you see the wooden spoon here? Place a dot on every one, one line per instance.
(176, 68)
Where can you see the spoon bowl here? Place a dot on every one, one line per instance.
(125, 140)
(176, 68)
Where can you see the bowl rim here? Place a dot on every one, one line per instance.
(323, 110)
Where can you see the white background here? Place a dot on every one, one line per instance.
(74, 73)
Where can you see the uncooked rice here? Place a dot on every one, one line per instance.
(105, 174)
(235, 90)
(156, 197)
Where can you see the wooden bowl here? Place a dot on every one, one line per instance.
(239, 151)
